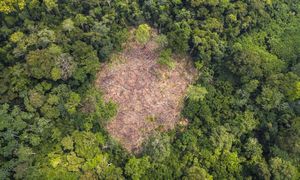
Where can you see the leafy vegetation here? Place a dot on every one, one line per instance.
(142, 34)
(243, 110)
(165, 59)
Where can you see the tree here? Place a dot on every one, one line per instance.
(207, 45)
(197, 92)
(66, 66)
(179, 37)
(67, 143)
(8, 6)
(94, 106)
(296, 93)
(143, 34)
(41, 62)
(36, 98)
(157, 147)
(73, 102)
(51, 4)
(282, 169)
(252, 61)
(68, 25)
(289, 139)
(45, 37)
(136, 168)
(195, 173)
(16, 37)
(269, 98)
(56, 73)
(243, 123)
(17, 127)
(286, 45)
(256, 165)
(86, 59)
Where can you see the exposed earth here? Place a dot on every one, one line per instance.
(149, 96)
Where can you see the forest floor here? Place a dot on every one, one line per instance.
(149, 96)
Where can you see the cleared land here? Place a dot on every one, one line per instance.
(149, 96)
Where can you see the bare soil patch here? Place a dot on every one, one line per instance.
(149, 96)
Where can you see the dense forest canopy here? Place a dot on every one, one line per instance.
(243, 110)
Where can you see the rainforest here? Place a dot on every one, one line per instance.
(149, 89)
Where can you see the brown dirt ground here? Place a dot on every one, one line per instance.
(149, 96)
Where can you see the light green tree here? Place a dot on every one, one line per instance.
(55, 73)
(8, 6)
(270, 98)
(68, 25)
(143, 34)
(296, 93)
(16, 37)
(197, 92)
(51, 4)
(73, 102)
(67, 143)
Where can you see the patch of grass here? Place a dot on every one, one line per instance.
(151, 118)
(116, 59)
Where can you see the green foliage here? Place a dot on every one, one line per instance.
(82, 157)
(99, 111)
(179, 37)
(269, 98)
(67, 143)
(51, 4)
(157, 147)
(8, 6)
(165, 59)
(72, 102)
(41, 62)
(143, 34)
(283, 170)
(162, 40)
(197, 92)
(251, 61)
(36, 99)
(196, 172)
(68, 25)
(285, 46)
(16, 37)
(242, 112)
(136, 168)
(87, 144)
(56, 73)
(243, 123)
(296, 91)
